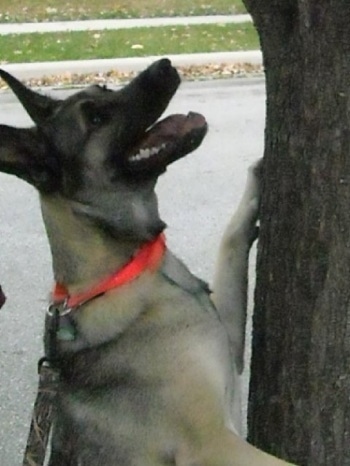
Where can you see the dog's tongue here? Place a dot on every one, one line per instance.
(167, 141)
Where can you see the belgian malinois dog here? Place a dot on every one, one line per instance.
(149, 359)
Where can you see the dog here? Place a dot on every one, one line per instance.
(149, 358)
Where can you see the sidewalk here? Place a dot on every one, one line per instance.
(36, 70)
(101, 24)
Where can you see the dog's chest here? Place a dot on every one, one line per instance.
(140, 391)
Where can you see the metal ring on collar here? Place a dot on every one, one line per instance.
(61, 308)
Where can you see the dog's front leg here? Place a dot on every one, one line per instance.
(231, 277)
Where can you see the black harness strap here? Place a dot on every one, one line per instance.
(44, 406)
(42, 415)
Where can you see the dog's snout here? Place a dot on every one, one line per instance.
(164, 66)
(162, 72)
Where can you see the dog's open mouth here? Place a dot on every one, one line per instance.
(167, 141)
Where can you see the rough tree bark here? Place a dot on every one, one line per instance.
(299, 406)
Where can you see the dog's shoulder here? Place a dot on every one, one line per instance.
(176, 273)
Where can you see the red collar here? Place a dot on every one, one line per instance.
(148, 257)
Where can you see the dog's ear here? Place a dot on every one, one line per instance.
(23, 153)
(38, 106)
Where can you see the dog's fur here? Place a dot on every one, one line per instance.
(151, 377)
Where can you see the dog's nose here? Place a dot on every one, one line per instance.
(164, 65)
(163, 70)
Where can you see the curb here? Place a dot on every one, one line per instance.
(39, 69)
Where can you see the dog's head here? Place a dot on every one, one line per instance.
(102, 150)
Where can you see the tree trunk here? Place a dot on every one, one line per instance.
(299, 402)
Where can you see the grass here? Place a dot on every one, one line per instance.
(127, 43)
(55, 10)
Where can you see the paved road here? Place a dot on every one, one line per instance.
(197, 196)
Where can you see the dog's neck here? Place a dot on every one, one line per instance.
(81, 253)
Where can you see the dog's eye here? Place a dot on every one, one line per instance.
(96, 119)
(94, 115)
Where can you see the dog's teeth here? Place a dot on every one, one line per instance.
(154, 150)
(147, 153)
(144, 153)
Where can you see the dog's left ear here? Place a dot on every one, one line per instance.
(39, 107)
(23, 153)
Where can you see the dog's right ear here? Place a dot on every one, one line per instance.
(23, 153)
(39, 107)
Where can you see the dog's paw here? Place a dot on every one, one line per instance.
(251, 199)
(253, 185)
(243, 226)
(250, 203)
(257, 168)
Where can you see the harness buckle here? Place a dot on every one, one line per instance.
(61, 326)
(60, 309)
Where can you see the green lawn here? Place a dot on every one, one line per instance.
(127, 43)
(54, 10)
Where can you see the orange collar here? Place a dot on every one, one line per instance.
(148, 257)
